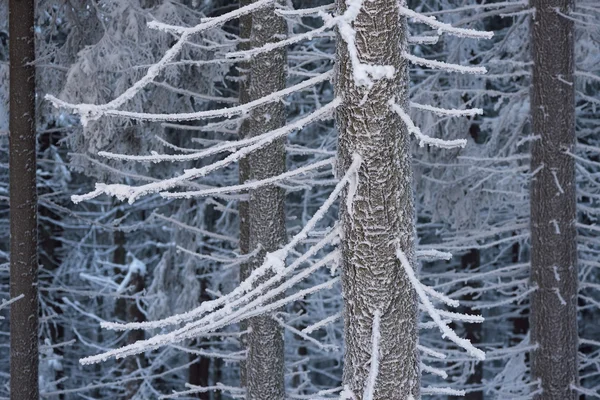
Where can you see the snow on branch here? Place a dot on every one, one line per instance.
(429, 390)
(236, 307)
(463, 69)
(89, 112)
(435, 314)
(6, 303)
(424, 139)
(432, 255)
(374, 367)
(219, 113)
(132, 193)
(251, 185)
(324, 322)
(321, 113)
(445, 28)
(448, 112)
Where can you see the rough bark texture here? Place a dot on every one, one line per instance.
(383, 210)
(553, 231)
(24, 357)
(264, 363)
(244, 169)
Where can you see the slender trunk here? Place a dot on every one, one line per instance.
(24, 357)
(134, 314)
(264, 363)
(244, 169)
(553, 232)
(521, 322)
(383, 214)
(127, 309)
(473, 332)
(199, 371)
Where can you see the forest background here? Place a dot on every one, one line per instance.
(269, 200)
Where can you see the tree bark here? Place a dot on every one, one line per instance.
(553, 232)
(264, 363)
(24, 358)
(383, 214)
(245, 25)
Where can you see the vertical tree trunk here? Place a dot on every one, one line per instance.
(473, 332)
(199, 372)
(553, 231)
(244, 169)
(264, 363)
(24, 357)
(134, 314)
(383, 214)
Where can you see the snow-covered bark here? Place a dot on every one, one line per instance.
(24, 312)
(553, 202)
(377, 217)
(266, 216)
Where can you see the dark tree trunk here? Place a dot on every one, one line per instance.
(244, 169)
(199, 371)
(134, 314)
(264, 362)
(383, 216)
(24, 358)
(473, 332)
(553, 232)
(521, 322)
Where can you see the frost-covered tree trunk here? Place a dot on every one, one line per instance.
(553, 201)
(23, 204)
(382, 216)
(266, 217)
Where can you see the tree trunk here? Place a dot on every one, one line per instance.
(245, 26)
(383, 214)
(473, 332)
(553, 215)
(24, 358)
(264, 363)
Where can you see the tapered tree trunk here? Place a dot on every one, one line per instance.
(383, 214)
(553, 232)
(266, 218)
(24, 357)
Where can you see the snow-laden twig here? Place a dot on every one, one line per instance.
(448, 112)
(251, 185)
(6, 303)
(430, 390)
(324, 322)
(432, 255)
(431, 352)
(463, 69)
(443, 27)
(435, 371)
(422, 138)
(434, 313)
(374, 367)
